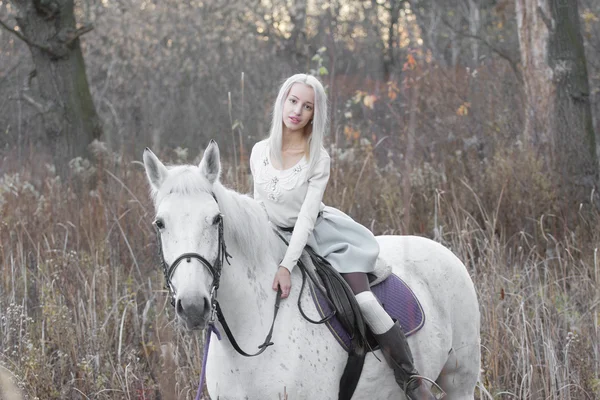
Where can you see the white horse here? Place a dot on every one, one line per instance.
(305, 361)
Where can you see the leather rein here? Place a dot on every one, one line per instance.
(215, 270)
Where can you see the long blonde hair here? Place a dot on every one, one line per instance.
(319, 121)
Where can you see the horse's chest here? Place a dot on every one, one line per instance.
(305, 361)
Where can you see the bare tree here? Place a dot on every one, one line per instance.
(558, 117)
(474, 24)
(64, 101)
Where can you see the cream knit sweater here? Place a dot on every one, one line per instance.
(292, 197)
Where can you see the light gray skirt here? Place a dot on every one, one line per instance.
(346, 244)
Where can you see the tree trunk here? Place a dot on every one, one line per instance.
(558, 116)
(454, 45)
(298, 44)
(431, 36)
(428, 17)
(372, 25)
(298, 19)
(390, 56)
(474, 23)
(69, 116)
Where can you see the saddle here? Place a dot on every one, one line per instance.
(396, 297)
(339, 310)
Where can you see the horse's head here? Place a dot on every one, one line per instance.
(188, 221)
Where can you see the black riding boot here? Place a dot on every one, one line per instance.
(398, 355)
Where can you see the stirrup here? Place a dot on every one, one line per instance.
(436, 390)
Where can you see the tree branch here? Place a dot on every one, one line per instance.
(72, 36)
(6, 75)
(17, 34)
(502, 54)
(23, 37)
(545, 19)
(37, 105)
(41, 108)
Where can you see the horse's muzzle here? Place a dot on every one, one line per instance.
(193, 314)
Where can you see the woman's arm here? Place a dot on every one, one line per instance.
(309, 211)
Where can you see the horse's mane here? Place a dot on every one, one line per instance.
(247, 224)
(245, 221)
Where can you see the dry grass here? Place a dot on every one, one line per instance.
(84, 315)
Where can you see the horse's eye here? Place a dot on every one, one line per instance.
(217, 219)
(159, 224)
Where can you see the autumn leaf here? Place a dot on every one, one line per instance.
(369, 101)
(410, 63)
(392, 90)
(358, 96)
(463, 109)
(589, 16)
(351, 133)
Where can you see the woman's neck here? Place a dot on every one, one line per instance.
(293, 140)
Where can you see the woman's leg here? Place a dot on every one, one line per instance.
(375, 316)
(358, 281)
(390, 337)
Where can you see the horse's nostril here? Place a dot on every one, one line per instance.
(179, 307)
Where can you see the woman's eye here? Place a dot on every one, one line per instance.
(159, 224)
(293, 101)
(308, 108)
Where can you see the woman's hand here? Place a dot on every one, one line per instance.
(282, 280)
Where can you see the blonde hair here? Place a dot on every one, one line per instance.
(319, 120)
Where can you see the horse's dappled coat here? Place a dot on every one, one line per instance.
(305, 359)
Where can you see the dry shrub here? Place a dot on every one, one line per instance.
(83, 310)
(516, 186)
(84, 313)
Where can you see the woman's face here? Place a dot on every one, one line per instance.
(298, 107)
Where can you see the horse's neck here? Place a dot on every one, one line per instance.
(246, 284)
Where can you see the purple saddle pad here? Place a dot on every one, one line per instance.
(397, 299)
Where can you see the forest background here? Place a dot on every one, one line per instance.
(472, 122)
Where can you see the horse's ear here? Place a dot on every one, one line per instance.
(210, 166)
(155, 170)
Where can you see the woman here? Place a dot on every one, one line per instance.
(290, 171)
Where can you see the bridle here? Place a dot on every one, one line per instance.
(215, 269)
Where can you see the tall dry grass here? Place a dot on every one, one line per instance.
(83, 313)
